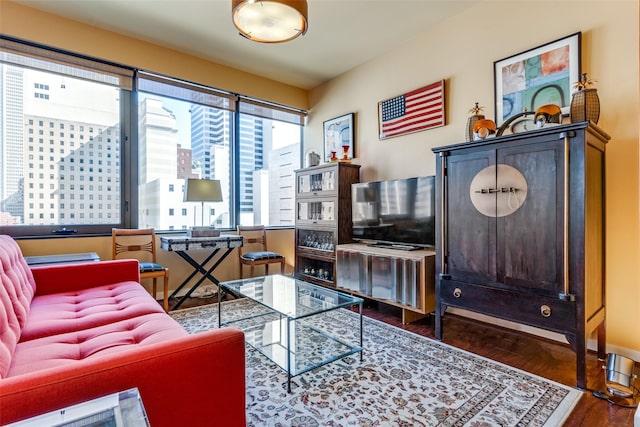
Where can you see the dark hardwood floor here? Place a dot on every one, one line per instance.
(539, 356)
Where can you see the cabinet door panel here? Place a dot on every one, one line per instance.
(321, 212)
(529, 252)
(470, 234)
(318, 182)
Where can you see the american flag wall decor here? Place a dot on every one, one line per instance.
(417, 110)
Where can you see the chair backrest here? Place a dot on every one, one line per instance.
(141, 242)
(255, 238)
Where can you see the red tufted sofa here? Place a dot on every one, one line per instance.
(71, 333)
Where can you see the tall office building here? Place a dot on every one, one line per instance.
(164, 165)
(73, 174)
(11, 140)
(158, 141)
(255, 140)
(61, 154)
(210, 127)
(210, 136)
(266, 174)
(284, 161)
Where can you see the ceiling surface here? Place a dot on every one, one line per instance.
(342, 33)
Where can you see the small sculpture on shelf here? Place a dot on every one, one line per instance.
(547, 114)
(482, 129)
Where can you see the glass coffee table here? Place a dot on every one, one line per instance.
(288, 327)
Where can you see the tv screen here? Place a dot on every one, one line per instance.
(397, 213)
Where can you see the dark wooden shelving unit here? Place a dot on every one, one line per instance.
(323, 219)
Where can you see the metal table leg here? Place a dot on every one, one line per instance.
(361, 343)
(198, 268)
(288, 355)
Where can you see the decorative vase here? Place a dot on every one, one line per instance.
(345, 152)
(334, 157)
(313, 159)
(472, 120)
(585, 105)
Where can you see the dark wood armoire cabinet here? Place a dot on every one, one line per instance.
(520, 232)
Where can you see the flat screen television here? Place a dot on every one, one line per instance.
(398, 213)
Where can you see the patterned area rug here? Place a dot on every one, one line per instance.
(404, 380)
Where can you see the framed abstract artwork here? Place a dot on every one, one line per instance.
(338, 133)
(539, 76)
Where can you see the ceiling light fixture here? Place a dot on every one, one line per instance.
(270, 21)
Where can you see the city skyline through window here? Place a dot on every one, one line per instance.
(64, 158)
(61, 145)
(200, 136)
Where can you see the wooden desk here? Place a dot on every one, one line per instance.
(220, 245)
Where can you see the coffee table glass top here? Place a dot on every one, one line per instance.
(289, 325)
(291, 297)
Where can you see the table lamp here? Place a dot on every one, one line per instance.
(203, 190)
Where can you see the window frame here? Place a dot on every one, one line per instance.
(28, 55)
(129, 142)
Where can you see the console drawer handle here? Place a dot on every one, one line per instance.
(457, 292)
(545, 310)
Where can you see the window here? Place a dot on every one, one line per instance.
(184, 131)
(193, 119)
(269, 143)
(250, 146)
(65, 85)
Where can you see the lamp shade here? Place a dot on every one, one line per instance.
(270, 21)
(202, 190)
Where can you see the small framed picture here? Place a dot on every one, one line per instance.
(338, 134)
(540, 76)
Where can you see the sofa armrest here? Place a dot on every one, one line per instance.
(192, 381)
(74, 277)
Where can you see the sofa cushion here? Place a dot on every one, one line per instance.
(57, 350)
(54, 314)
(16, 292)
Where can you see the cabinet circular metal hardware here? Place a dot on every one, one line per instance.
(498, 190)
(545, 310)
(457, 292)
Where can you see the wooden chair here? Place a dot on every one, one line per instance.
(254, 250)
(142, 243)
